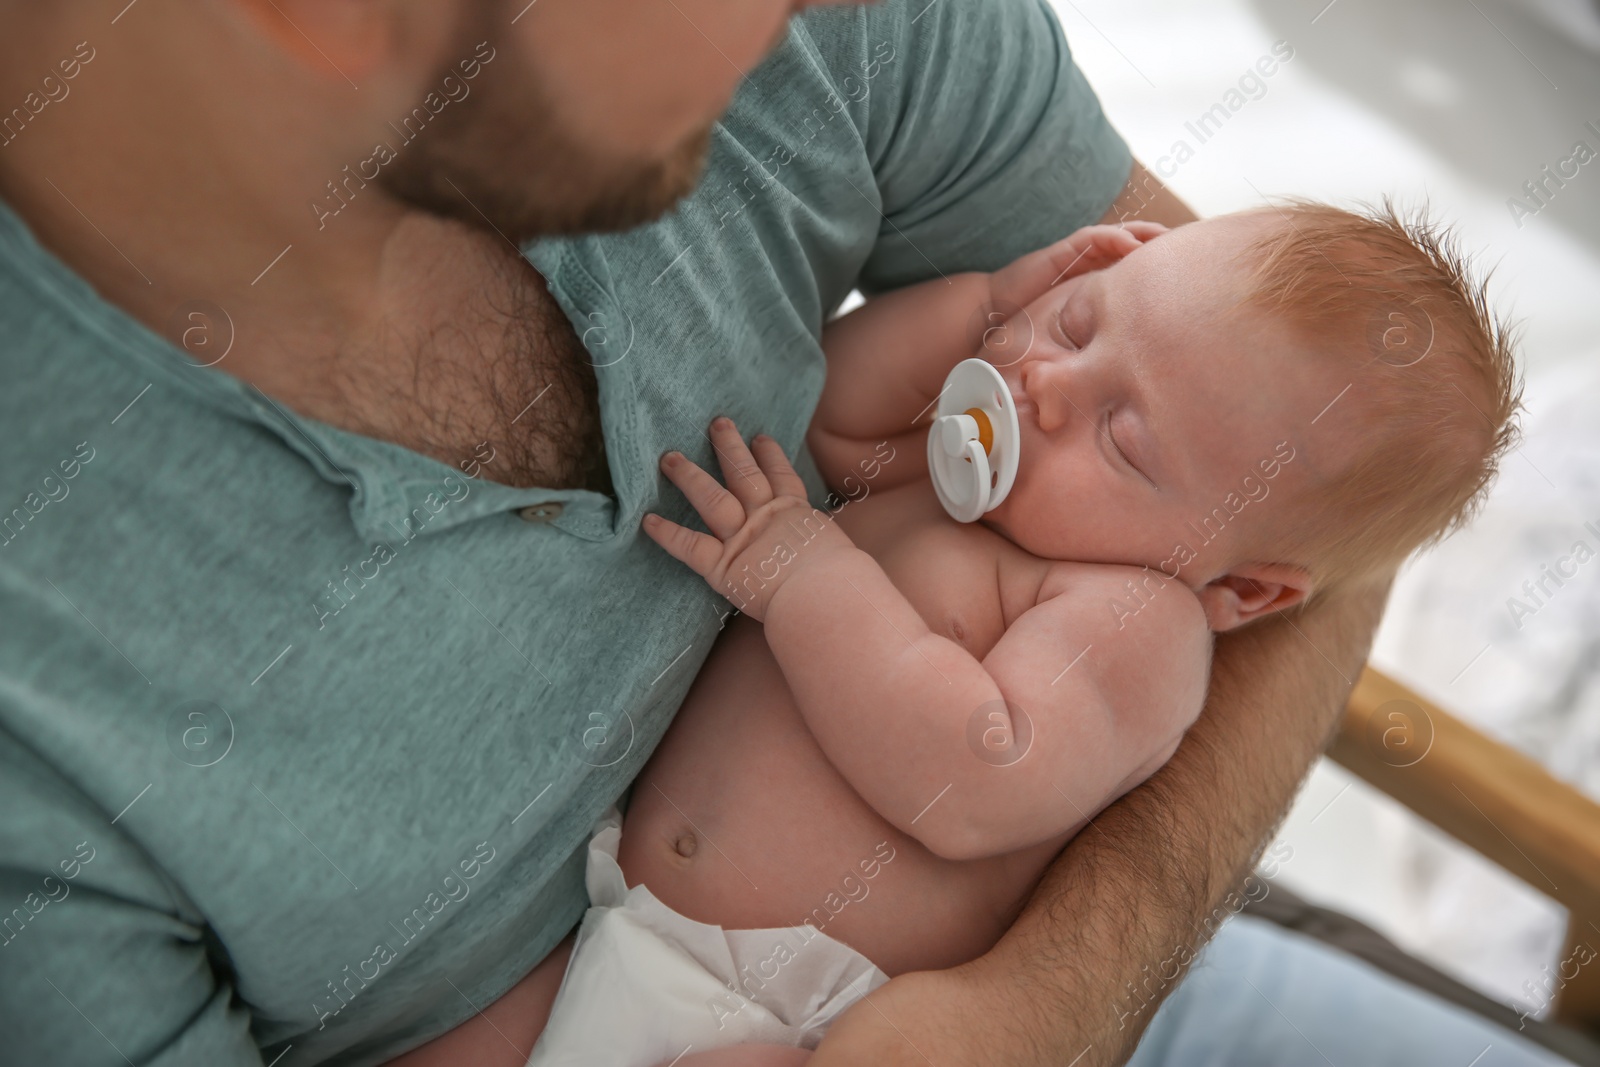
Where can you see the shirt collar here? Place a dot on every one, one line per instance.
(395, 492)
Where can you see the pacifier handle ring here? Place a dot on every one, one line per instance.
(962, 481)
(981, 476)
(976, 422)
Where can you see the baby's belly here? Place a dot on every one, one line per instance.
(740, 820)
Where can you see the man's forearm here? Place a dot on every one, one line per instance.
(1114, 922)
(1144, 197)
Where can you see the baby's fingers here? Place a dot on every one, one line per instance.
(781, 475)
(700, 552)
(1024, 281)
(1144, 229)
(723, 514)
(1100, 245)
(739, 468)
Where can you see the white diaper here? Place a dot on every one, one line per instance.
(645, 984)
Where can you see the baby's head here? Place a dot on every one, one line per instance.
(1264, 406)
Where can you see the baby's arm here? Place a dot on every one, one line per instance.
(903, 712)
(888, 359)
(929, 735)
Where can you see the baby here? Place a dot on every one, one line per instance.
(911, 716)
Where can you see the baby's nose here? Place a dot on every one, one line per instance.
(1053, 388)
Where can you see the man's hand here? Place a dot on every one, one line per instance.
(763, 529)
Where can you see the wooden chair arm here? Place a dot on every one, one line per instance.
(1486, 794)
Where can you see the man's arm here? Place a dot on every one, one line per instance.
(101, 963)
(1126, 899)
(1144, 197)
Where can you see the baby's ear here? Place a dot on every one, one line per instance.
(1246, 593)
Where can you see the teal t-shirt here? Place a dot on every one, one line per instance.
(302, 734)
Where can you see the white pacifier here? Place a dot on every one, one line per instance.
(974, 440)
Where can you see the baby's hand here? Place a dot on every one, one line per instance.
(763, 528)
(1089, 249)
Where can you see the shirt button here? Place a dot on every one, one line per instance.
(541, 512)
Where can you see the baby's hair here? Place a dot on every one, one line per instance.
(1432, 373)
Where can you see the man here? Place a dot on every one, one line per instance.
(329, 629)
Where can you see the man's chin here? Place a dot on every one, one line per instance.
(648, 193)
(609, 198)
(586, 196)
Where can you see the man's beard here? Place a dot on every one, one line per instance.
(503, 160)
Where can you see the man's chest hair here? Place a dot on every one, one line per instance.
(483, 357)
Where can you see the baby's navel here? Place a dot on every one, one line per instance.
(685, 845)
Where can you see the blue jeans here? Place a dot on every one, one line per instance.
(1261, 995)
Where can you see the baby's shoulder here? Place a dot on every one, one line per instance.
(1113, 599)
(1144, 636)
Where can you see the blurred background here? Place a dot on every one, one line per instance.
(1460, 104)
